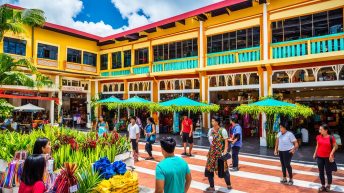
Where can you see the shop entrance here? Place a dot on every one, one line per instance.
(327, 104)
(74, 109)
(228, 100)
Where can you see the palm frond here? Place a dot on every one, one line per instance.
(25, 63)
(15, 27)
(17, 78)
(33, 17)
(42, 80)
(6, 63)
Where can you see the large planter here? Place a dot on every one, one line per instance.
(123, 156)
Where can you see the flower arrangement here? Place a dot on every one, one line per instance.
(107, 170)
(119, 183)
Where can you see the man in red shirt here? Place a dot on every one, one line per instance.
(186, 133)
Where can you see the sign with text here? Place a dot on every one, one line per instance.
(73, 88)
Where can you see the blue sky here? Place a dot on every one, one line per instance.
(107, 17)
(97, 10)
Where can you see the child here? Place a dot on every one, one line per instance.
(32, 177)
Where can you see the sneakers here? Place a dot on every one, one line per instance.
(234, 169)
(284, 181)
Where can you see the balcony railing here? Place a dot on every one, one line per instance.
(141, 69)
(234, 56)
(176, 64)
(307, 46)
(117, 72)
(47, 63)
(80, 67)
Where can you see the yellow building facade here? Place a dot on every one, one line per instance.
(228, 53)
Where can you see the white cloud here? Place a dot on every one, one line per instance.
(154, 10)
(136, 12)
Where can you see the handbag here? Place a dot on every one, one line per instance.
(152, 138)
(333, 165)
(226, 156)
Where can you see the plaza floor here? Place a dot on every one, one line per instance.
(256, 174)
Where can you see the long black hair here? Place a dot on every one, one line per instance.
(33, 170)
(39, 144)
(151, 120)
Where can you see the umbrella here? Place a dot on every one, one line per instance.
(186, 104)
(29, 108)
(270, 107)
(112, 102)
(137, 102)
(111, 99)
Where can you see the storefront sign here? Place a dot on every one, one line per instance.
(72, 88)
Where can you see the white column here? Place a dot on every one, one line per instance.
(52, 112)
(201, 46)
(265, 31)
(57, 84)
(263, 138)
(88, 106)
(96, 93)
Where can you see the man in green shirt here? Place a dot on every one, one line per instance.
(173, 173)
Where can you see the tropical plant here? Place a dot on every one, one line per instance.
(66, 180)
(5, 108)
(87, 180)
(14, 20)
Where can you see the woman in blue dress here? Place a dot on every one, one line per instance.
(102, 126)
(150, 134)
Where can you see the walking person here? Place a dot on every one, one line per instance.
(285, 146)
(172, 173)
(186, 133)
(134, 136)
(236, 142)
(150, 133)
(218, 147)
(324, 154)
(102, 126)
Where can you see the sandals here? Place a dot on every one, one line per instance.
(210, 189)
(328, 188)
(322, 189)
(184, 153)
(290, 183)
(229, 187)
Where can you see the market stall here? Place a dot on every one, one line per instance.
(272, 108)
(185, 104)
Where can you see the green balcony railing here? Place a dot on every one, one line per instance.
(234, 56)
(176, 64)
(141, 69)
(116, 73)
(306, 46)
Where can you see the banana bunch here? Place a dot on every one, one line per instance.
(128, 181)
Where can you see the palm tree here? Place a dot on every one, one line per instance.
(13, 72)
(15, 20)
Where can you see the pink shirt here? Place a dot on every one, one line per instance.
(38, 187)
